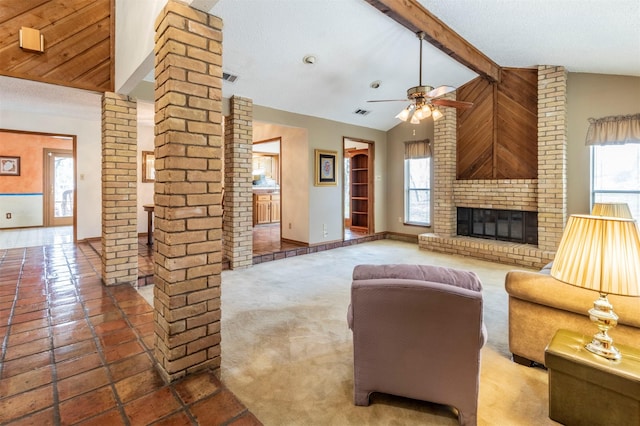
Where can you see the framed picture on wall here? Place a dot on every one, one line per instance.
(148, 166)
(325, 168)
(9, 166)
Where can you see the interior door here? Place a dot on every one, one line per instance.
(59, 193)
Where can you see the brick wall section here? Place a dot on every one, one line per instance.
(188, 190)
(443, 149)
(238, 211)
(552, 155)
(508, 194)
(119, 191)
(497, 251)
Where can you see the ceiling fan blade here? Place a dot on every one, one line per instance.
(390, 100)
(451, 103)
(439, 91)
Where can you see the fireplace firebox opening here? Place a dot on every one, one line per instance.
(506, 225)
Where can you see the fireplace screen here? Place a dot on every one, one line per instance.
(506, 225)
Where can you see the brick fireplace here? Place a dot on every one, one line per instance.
(545, 195)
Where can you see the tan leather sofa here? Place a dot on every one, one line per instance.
(539, 305)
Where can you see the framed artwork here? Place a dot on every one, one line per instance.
(148, 166)
(325, 168)
(9, 166)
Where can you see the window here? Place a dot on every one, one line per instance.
(615, 160)
(616, 175)
(417, 183)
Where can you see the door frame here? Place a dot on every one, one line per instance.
(48, 218)
(278, 140)
(370, 186)
(73, 140)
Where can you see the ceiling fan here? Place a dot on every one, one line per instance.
(424, 99)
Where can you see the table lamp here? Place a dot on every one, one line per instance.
(603, 254)
(611, 209)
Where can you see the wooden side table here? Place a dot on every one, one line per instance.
(587, 389)
(149, 209)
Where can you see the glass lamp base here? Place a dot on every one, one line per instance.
(603, 316)
(603, 347)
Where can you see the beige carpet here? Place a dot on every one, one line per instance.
(287, 350)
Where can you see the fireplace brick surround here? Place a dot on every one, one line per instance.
(547, 194)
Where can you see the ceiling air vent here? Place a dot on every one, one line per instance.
(229, 77)
(360, 111)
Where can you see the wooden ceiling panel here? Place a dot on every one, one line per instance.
(78, 42)
(9, 9)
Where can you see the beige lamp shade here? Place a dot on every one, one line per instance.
(612, 210)
(601, 254)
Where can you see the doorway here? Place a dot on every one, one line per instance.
(358, 189)
(266, 178)
(59, 184)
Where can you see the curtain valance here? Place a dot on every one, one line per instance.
(614, 130)
(415, 150)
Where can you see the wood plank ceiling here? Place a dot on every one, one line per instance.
(78, 40)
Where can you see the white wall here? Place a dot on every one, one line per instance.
(294, 193)
(135, 20)
(26, 210)
(40, 107)
(145, 143)
(324, 204)
(403, 132)
(592, 96)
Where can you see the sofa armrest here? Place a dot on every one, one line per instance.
(547, 291)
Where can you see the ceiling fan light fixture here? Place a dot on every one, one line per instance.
(425, 111)
(437, 115)
(414, 120)
(405, 113)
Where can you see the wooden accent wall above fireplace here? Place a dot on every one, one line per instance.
(497, 138)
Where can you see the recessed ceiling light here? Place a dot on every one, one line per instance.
(309, 59)
(375, 84)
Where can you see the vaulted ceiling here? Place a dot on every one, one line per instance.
(355, 44)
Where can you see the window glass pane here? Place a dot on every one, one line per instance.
(616, 167)
(616, 175)
(419, 173)
(417, 191)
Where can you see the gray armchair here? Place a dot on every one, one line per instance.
(417, 333)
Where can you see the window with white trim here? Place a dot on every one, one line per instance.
(417, 183)
(615, 160)
(615, 175)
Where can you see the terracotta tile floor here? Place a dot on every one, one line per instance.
(76, 352)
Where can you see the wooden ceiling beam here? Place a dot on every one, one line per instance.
(416, 18)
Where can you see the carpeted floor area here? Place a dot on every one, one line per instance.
(287, 350)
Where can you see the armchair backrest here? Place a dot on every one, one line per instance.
(417, 332)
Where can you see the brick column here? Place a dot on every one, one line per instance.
(188, 231)
(552, 155)
(443, 150)
(238, 214)
(119, 191)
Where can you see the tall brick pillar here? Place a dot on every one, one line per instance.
(444, 172)
(552, 155)
(188, 210)
(119, 191)
(238, 214)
